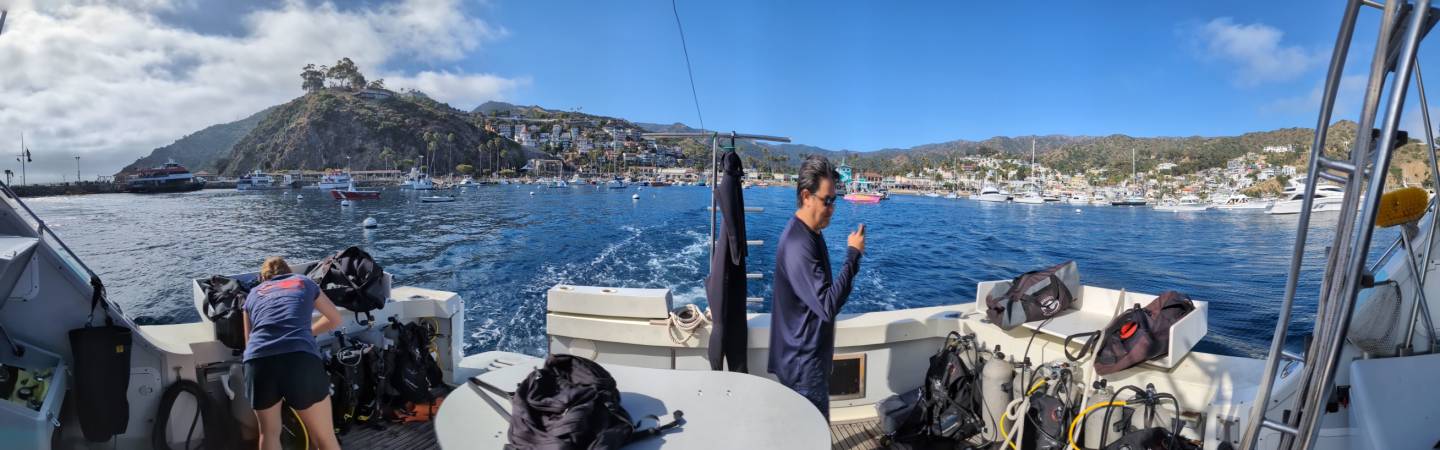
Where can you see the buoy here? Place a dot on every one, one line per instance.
(635, 197)
(1077, 209)
(299, 196)
(532, 192)
(370, 223)
(345, 203)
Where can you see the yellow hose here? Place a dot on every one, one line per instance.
(1003, 434)
(1082, 417)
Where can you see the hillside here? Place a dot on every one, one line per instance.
(198, 150)
(321, 129)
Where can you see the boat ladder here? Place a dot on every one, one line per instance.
(716, 148)
(1403, 26)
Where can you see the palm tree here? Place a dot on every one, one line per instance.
(386, 154)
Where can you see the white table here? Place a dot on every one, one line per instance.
(721, 410)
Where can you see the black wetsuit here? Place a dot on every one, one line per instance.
(725, 288)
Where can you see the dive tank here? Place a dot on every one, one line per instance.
(1095, 421)
(995, 387)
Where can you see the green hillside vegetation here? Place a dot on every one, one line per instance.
(197, 151)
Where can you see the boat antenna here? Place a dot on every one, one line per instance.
(3, 13)
(694, 95)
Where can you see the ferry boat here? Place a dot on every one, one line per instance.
(990, 193)
(257, 181)
(168, 177)
(334, 180)
(1328, 198)
(1130, 200)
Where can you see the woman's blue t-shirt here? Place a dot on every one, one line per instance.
(280, 311)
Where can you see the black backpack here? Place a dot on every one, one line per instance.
(414, 374)
(569, 403)
(352, 280)
(224, 303)
(944, 411)
(1034, 295)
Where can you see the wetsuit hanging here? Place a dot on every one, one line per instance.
(725, 288)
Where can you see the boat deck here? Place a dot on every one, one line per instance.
(855, 435)
(409, 436)
(863, 435)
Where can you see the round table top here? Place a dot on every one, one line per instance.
(721, 410)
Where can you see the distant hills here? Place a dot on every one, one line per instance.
(199, 150)
(320, 129)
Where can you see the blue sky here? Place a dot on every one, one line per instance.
(110, 81)
(870, 75)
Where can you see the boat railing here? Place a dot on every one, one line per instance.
(45, 233)
(1363, 176)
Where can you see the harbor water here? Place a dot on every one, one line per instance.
(501, 247)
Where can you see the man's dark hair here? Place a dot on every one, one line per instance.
(812, 170)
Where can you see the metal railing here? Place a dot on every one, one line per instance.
(1363, 176)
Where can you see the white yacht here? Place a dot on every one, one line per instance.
(1188, 203)
(1078, 199)
(617, 183)
(466, 182)
(1241, 202)
(1327, 198)
(990, 193)
(257, 181)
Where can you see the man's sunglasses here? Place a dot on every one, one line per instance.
(828, 200)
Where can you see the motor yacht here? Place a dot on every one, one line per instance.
(1328, 198)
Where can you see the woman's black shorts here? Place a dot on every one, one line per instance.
(299, 378)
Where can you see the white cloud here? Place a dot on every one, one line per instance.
(109, 82)
(1256, 51)
(1347, 100)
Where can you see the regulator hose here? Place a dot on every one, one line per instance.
(167, 402)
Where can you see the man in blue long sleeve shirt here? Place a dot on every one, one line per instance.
(807, 299)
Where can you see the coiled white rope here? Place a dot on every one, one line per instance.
(687, 325)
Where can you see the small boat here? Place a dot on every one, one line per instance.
(863, 197)
(618, 183)
(1031, 198)
(418, 181)
(1078, 199)
(170, 177)
(334, 180)
(257, 181)
(952, 195)
(437, 198)
(467, 182)
(1132, 200)
(932, 194)
(990, 193)
(351, 193)
(1188, 203)
(1049, 198)
(1242, 202)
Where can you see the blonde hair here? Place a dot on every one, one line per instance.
(272, 267)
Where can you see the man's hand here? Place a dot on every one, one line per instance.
(857, 239)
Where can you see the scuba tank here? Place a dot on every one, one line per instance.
(995, 389)
(1094, 426)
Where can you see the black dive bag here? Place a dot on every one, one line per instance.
(102, 372)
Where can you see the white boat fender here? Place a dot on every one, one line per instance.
(370, 223)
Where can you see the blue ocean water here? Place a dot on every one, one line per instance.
(501, 248)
